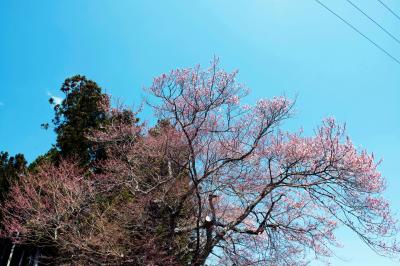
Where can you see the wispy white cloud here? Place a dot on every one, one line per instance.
(57, 100)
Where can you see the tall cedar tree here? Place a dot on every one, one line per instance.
(80, 111)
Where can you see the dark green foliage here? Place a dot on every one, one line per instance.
(10, 169)
(84, 108)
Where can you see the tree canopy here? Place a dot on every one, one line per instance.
(215, 181)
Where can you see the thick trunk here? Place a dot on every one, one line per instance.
(201, 258)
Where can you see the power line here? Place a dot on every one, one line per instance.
(359, 32)
(389, 9)
(374, 21)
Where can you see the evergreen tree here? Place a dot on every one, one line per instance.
(10, 169)
(83, 109)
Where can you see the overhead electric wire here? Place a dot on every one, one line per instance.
(359, 32)
(374, 21)
(389, 9)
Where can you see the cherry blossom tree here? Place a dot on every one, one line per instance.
(263, 195)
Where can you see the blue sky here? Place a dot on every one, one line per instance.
(280, 47)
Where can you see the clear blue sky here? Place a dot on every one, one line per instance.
(279, 46)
